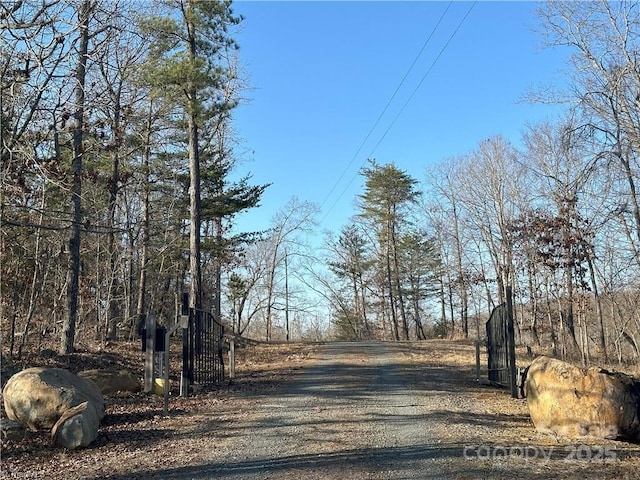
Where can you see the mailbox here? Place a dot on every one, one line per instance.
(161, 334)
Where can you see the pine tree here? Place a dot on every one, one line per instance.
(388, 191)
(190, 39)
(351, 266)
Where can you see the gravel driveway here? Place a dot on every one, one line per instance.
(351, 411)
(352, 415)
(384, 411)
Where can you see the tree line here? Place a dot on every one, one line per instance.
(118, 185)
(557, 218)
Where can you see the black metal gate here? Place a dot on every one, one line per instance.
(206, 340)
(500, 345)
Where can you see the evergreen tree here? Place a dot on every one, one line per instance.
(351, 265)
(420, 264)
(388, 192)
(191, 38)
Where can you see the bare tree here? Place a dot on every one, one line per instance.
(294, 219)
(445, 186)
(69, 325)
(557, 157)
(604, 81)
(33, 54)
(115, 99)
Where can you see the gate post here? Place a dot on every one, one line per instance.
(149, 353)
(232, 359)
(511, 344)
(185, 320)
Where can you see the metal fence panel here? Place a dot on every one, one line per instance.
(498, 346)
(206, 339)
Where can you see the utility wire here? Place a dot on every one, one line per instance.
(355, 155)
(398, 115)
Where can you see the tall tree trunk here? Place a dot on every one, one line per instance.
(73, 284)
(451, 312)
(37, 280)
(217, 269)
(398, 285)
(194, 176)
(356, 301)
(146, 207)
(271, 280)
(464, 300)
(420, 334)
(443, 305)
(567, 311)
(363, 306)
(392, 300)
(194, 215)
(552, 329)
(598, 300)
(534, 307)
(112, 311)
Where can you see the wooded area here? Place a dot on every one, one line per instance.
(558, 219)
(120, 190)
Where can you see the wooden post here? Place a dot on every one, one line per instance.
(232, 359)
(477, 342)
(182, 321)
(149, 354)
(511, 344)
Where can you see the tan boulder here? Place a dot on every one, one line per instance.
(109, 381)
(37, 397)
(567, 400)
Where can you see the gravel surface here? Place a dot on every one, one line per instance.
(340, 411)
(351, 415)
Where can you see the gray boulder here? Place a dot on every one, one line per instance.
(38, 397)
(567, 400)
(76, 428)
(11, 431)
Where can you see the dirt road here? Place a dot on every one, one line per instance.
(371, 411)
(352, 415)
(351, 411)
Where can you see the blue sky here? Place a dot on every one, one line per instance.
(321, 74)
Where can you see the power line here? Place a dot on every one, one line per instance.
(415, 60)
(397, 116)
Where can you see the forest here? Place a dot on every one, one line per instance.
(122, 182)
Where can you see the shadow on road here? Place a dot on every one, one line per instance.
(343, 464)
(320, 400)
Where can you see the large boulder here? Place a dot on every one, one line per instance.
(11, 431)
(109, 381)
(567, 400)
(37, 397)
(76, 428)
